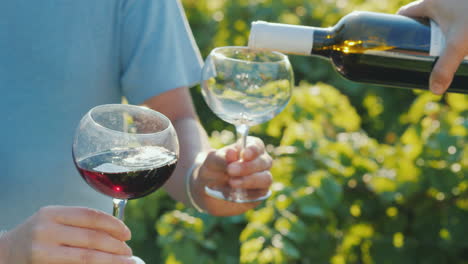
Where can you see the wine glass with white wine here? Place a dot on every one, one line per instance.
(245, 87)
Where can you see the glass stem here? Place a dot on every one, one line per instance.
(243, 131)
(239, 194)
(119, 207)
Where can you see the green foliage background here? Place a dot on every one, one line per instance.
(363, 174)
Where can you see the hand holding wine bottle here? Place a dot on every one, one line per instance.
(453, 21)
(385, 49)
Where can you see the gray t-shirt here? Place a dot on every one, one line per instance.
(58, 59)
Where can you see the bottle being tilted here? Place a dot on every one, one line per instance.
(384, 49)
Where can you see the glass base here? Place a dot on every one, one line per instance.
(138, 260)
(235, 195)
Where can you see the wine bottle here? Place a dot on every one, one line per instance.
(376, 48)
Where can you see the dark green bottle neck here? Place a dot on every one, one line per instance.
(324, 40)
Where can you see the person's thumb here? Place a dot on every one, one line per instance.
(414, 9)
(446, 66)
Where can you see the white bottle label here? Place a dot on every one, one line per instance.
(437, 40)
(281, 37)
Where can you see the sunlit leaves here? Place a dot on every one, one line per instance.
(339, 195)
(458, 102)
(355, 199)
(251, 249)
(373, 105)
(354, 237)
(398, 240)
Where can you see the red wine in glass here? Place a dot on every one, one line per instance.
(125, 151)
(128, 173)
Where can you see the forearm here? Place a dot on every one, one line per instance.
(192, 141)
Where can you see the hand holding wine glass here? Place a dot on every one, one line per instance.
(245, 87)
(122, 151)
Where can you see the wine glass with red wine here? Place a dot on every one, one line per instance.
(125, 151)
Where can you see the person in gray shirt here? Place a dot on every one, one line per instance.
(58, 59)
